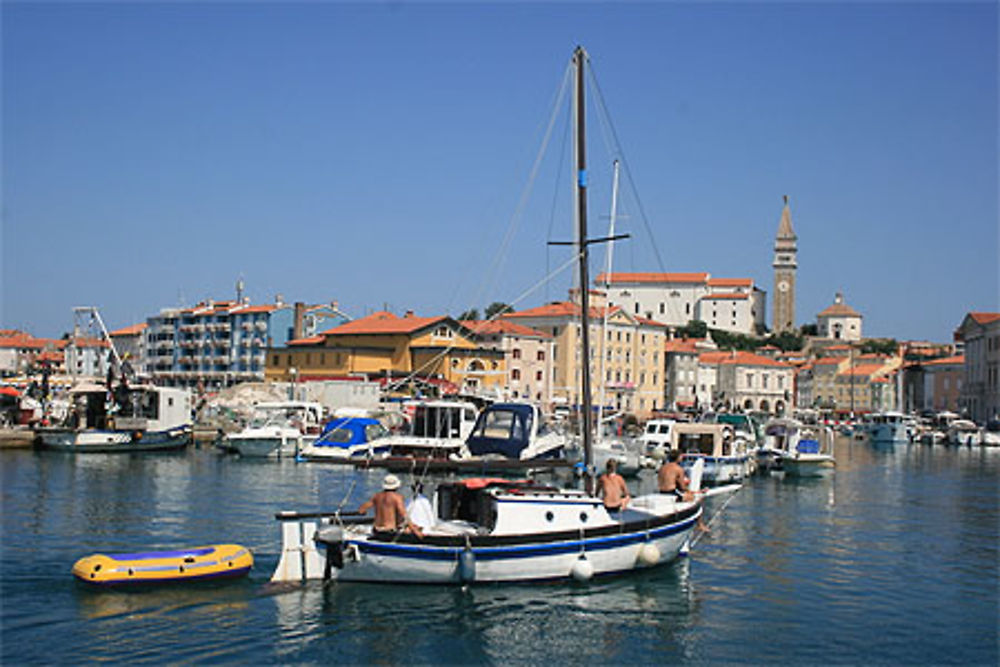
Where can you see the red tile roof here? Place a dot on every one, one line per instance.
(948, 361)
(684, 345)
(648, 277)
(839, 310)
(741, 358)
(985, 318)
(24, 340)
(502, 326)
(312, 340)
(730, 282)
(384, 322)
(728, 296)
(130, 331)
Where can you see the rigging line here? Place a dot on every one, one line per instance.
(526, 193)
(555, 196)
(528, 292)
(628, 172)
(714, 517)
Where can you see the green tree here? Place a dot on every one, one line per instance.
(471, 314)
(497, 307)
(786, 341)
(887, 346)
(693, 329)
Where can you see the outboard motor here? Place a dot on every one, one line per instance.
(332, 539)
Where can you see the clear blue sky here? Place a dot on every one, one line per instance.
(375, 154)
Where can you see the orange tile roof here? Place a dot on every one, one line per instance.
(84, 341)
(130, 331)
(502, 326)
(25, 340)
(682, 345)
(742, 358)
(948, 361)
(561, 309)
(839, 310)
(312, 340)
(985, 318)
(730, 282)
(728, 296)
(711, 357)
(384, 322)
(648, 277)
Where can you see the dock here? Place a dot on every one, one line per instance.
(17, 438)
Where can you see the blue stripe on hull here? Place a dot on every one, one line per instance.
(518, 552)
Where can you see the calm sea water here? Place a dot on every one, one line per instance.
(892, 560)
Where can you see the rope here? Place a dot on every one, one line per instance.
(715, 516)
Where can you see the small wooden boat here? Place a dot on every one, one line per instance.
(156, 567)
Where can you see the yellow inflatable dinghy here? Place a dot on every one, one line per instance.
(155, 567)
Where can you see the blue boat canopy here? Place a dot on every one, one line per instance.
(347, 431)
(503, 428)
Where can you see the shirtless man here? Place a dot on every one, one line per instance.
(671, 478)
(390, 511)
(612, 487)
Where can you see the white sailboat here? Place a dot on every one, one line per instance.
(498, 531)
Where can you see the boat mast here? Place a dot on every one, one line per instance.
(579, 58)
(607, 288)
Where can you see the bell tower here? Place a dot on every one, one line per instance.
(785, 265)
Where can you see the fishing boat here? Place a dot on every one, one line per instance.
(436, 429)
(130, 419)
(726, 459)
(812, 453)
(886, 428)
(809, 447)
(490, 530)
(159, 567)
(277, 429)
(656, 438)
(348, 440)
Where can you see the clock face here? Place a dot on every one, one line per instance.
(783, 286)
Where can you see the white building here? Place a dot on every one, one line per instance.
(747, 381)
(839, 321)
(674, 299)
(980, 333)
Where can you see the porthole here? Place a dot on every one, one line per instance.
(549, 516)
(583, 517)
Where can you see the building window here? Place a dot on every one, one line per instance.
(516, 353)
(750, 380)
(541, 355)
(538, 376)
(515, 374)
(662, 309)
(636, 307)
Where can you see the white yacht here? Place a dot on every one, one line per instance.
(277, 429)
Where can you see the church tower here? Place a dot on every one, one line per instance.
(785, 265)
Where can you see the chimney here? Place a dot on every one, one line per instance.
(300, 309)
(409, 313)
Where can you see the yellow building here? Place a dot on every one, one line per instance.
(382, 345)
(626, 362)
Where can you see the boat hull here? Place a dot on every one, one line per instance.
(159, 567)
(267, 447)
(640, 539)
(114, 441)
(808, 466)
(720, 469)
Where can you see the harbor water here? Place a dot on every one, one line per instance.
(891, 560)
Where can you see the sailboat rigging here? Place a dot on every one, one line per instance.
(492, 530)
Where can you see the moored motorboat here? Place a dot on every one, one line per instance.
(277, 429)
(726, 459)
(158, 567)
(130, 419)
(347, 440)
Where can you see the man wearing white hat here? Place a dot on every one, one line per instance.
(390, 511)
